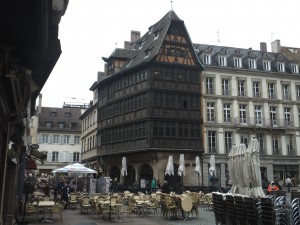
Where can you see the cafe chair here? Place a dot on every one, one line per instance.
(85, 205)
(31, 210)
(127, 210)
(73, 200)
(56, 208)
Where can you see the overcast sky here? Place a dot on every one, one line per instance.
(92, 29)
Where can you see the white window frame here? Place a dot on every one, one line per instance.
(286, 92)
(267, 65)
(76, 156)
(66, 139)
(252, 64)
(260, 138)
(212, 141)
(209, 83)
(56, 139)
(290, 144)
(294, 68)
(225, 87)
(243, 113)
(237, 62)
(256, 89)
(226, 112)
(273, 115)
(272, 90)
(242, 88)
(76, 139)
(298, 92)
(207, 59)
(45, 138)
(54, 156)
(281, 67)
(244, 138)
(210, 108)
(275, 144)
(258, 114)
(222, 60)
(228, 140)
(287, 116)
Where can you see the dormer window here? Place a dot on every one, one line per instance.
(141, 44)
(252, 64)
(280, 67)
(150, 30)
(156, 34)
(267, 65)
(206, 59)
(147, 53)
(67, 114)
(295, 68)
(237, 62)
(222, 60)
(53, 114)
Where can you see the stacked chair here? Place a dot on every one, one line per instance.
(239, 208)
(282, 211)
(296, 211)
(267, 210)
(251, 210)
(219, 207)
(230, 209)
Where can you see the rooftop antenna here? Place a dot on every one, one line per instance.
(171, 5)
(116, 45)
(218, 37)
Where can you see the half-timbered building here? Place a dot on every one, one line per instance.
(149, 105)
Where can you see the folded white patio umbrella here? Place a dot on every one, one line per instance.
(181, 168)
(124, 167)
(170, 166)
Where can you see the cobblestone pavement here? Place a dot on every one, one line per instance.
(74, 217)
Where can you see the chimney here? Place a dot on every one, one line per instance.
(263, 47)
(39, 110)
(135, 35)
(127, 44)
(276, 47)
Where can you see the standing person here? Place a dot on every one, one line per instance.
(65, 195)
(158, 184)
(153, 185)
(166, 188)
(288, 183)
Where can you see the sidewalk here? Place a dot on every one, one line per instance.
(74, 217)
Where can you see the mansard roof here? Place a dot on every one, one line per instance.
(231, 52)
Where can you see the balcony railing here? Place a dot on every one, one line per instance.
(242, 93)
(272, 96)
(210, 91)
(256, 94)
(211, 119)
(286, 97)
(263, 122)
(276, 151)
(226, 92)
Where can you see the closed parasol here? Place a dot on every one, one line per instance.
(170, 166)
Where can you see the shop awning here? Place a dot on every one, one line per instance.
(38, 155)
(30, 164)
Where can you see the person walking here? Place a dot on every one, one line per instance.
(153, 185)
(288, 183)
(65, 195)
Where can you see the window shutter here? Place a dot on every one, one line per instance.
(72, 140)
(61, 157)
(61, 139)
(70, 156)
(49, 156)
(40, 139)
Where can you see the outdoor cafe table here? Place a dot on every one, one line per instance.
(46, 205)
(142, 204)
(112, 206)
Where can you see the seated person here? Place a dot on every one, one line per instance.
(272, 187)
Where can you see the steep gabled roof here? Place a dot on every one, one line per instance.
(147, 47)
